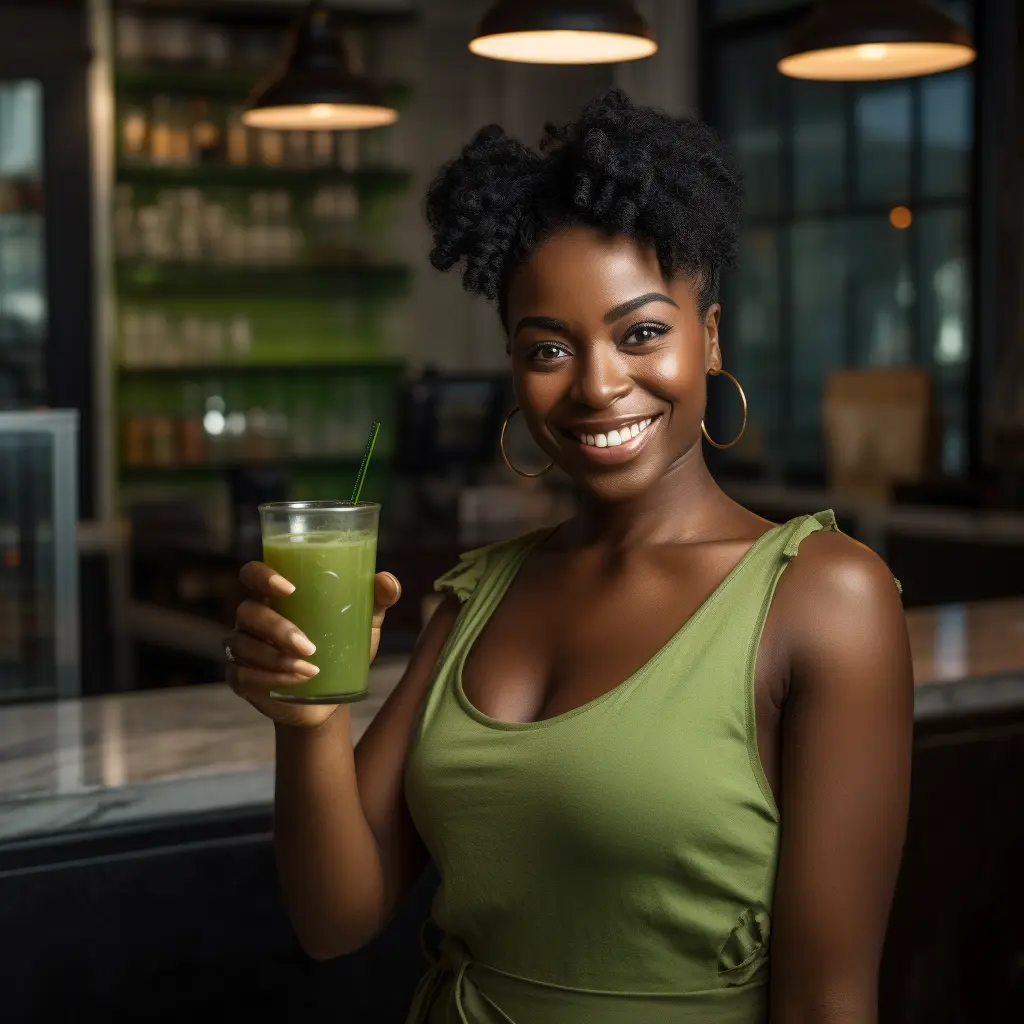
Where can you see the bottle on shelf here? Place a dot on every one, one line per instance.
(129, 39)
(348, 151)
(182, 148)
(271, 147)
(297, 150)
(134, 134)
(161, 147)
(206, 134)
(191, 437)
(238, 139)
(322, 149)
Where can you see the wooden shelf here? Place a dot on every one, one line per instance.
(346, 464)
(210, 83)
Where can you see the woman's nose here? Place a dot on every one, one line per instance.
(600, 379)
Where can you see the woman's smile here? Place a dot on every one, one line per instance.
(612, 443)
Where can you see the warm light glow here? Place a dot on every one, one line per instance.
(563, 47)
(320, 117)
(872, 51)
(865, 62)
(900, 217)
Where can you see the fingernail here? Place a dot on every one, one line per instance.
(398, 586)
(300, 668)
(303, 644)
(280, 583)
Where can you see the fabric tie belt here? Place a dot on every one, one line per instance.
(452, 964)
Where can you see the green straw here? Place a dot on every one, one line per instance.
(365, 465)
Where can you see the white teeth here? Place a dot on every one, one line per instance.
(616, 437)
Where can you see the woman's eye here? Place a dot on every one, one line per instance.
(643, 333)
(547, 352)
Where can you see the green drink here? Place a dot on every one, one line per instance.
(328, 551)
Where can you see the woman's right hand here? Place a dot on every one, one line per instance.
(270, 653)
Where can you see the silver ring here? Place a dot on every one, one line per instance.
(230, 654)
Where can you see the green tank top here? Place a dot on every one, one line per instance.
(615, 863)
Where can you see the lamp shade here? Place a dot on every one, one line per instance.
(564, 32)
(862, 40)
(313, 89)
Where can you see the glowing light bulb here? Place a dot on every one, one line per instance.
(900, 217)
(873, 51)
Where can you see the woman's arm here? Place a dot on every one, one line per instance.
(847, 730)
(347, 850)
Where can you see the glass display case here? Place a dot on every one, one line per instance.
(39, 614)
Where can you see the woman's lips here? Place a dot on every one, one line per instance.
(622, 452)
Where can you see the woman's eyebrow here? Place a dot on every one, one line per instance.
(545, 323)
(641, 300)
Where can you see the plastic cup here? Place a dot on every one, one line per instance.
(328, 551)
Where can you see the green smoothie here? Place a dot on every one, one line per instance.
(332, 572)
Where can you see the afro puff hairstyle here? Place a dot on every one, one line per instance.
(628, 170)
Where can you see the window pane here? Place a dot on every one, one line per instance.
(882, 293)
(946, 324)
(882, 118)
(818, 146)
(750, 350)
(947, 129)
(819, 269)
(22, 269)
(750, 89)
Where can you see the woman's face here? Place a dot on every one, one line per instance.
(609, 360)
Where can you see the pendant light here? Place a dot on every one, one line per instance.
(313, 88)
(862, 40)
(564, 32)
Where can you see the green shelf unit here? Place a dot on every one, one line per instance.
(388, 369)
(368, 180)
(154, 281)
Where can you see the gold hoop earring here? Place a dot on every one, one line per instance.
(504, 454)
(743, 399)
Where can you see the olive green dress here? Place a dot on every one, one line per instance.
(614, 864)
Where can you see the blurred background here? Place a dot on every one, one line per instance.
(200, 310)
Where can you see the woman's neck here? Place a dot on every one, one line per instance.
(684, 505)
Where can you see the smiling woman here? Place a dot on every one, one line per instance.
(647, 746)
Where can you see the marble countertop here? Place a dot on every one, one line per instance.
(127, 758)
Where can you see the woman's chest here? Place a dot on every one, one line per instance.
(568, 633)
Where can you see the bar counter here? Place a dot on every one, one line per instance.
(125, 758)
(137, 871)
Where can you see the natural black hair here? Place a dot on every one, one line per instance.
(667, 182)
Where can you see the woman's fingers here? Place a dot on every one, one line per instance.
(386, 592)
(259, 579)
(265, 624)
(246, 681)
(257, 654)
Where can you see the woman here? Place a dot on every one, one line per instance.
(644, 746)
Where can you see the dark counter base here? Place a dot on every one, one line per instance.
(184, 921)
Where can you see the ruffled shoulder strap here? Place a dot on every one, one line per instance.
(473, 566)
(806, 525)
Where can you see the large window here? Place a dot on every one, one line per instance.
(857, 237)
